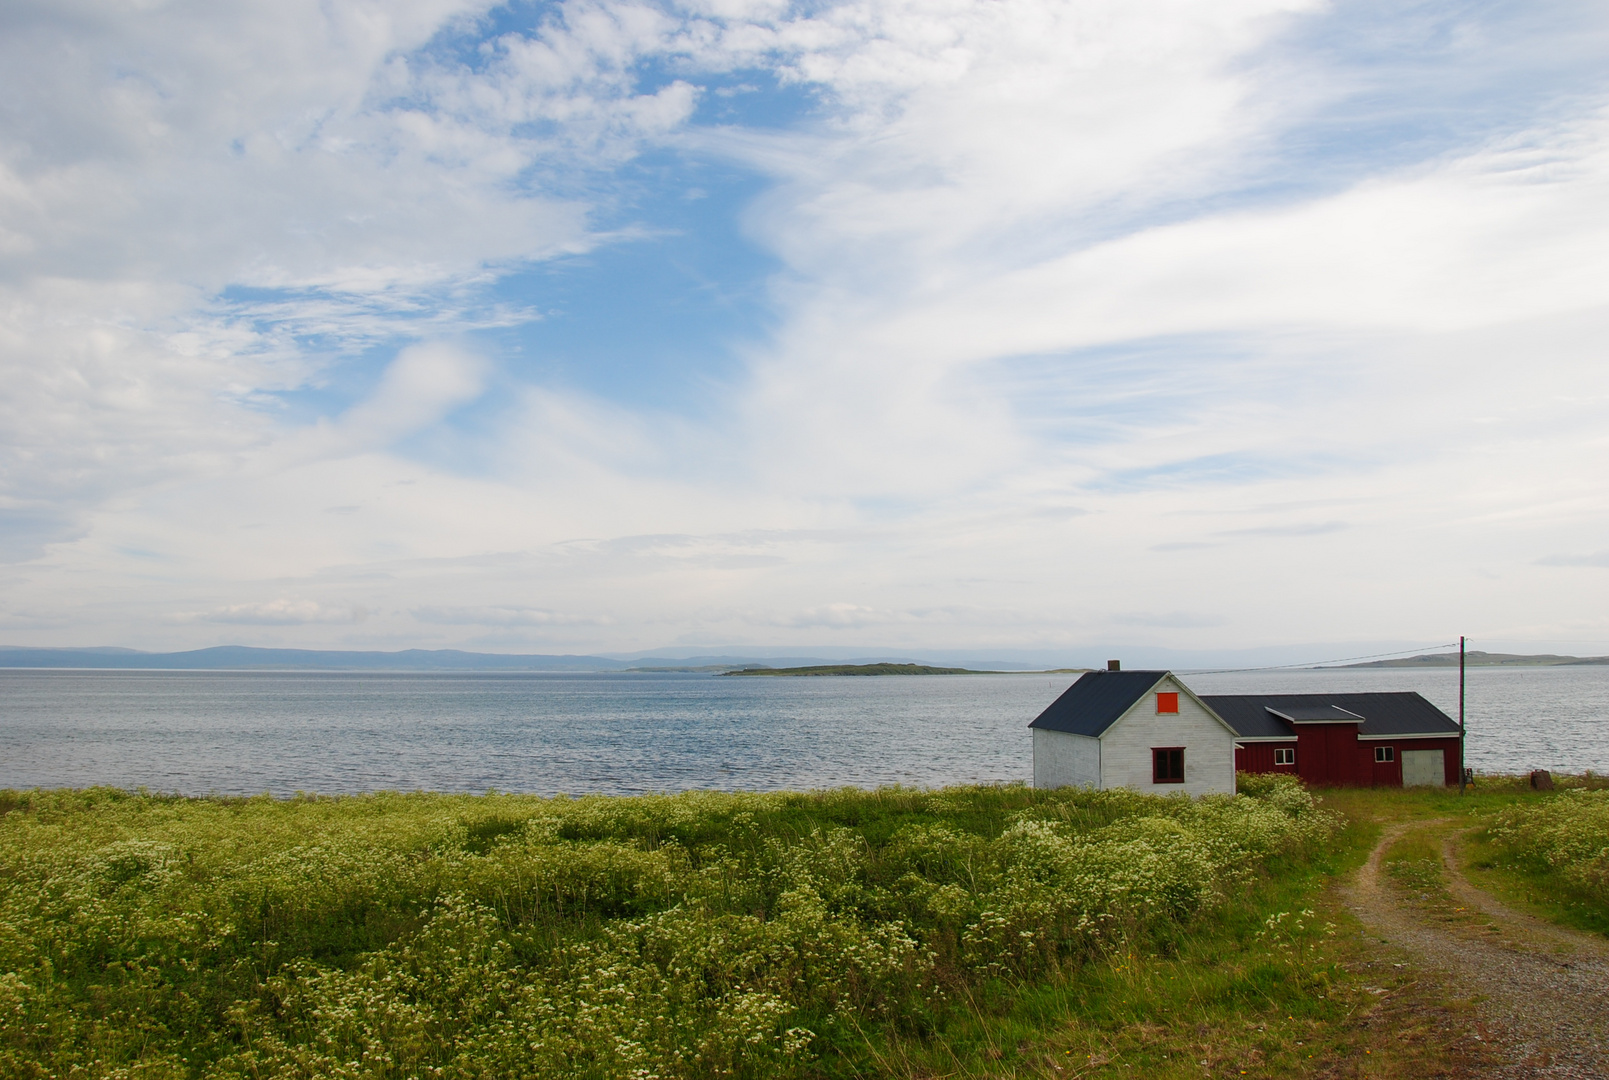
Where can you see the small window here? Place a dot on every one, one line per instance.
(1385, 753)
(1167, 765)
(1167, 703)
(1284, 755)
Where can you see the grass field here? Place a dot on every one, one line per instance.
(995, 931)
(1550, 856)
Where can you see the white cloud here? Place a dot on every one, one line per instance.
(282, 612)
(423, 384)
(1045, 346)
(840, 616)
(346, 182)
(501, 615)
(1305, 528)
(1600, 558)
(1170, 620)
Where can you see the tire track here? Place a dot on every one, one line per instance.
(1545, 988)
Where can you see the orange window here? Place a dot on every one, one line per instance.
(1167, 703)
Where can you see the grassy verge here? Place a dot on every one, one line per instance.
(1548, 855)
(1280, 981)
(1369, 1013)
(1266, 985)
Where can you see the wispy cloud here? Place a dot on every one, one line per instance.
(1028, 286)
(282, 612)
(1171, 619)
(1598, 559)
(503, 616)
(841, 616)
(1305, 528)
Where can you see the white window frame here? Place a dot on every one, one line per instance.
(1284, 755)
(1385, 755)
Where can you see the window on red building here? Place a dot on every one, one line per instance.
(1284, 755)
(1385, 753)
(1167, 703)
(1167, 765)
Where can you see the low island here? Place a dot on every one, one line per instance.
(859, 669)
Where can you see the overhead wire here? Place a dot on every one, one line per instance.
(1421, 651)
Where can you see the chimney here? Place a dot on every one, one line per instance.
(1114, 665)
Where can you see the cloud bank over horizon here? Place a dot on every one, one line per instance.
(981, 324)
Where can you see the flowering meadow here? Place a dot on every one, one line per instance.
(1568, 835)
(692, 935)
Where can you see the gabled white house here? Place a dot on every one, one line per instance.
(1136, 729)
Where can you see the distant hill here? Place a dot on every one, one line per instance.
(245, 658)
(1485, 659)
(240, 657)
(861, 669)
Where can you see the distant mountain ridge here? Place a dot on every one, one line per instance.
(243, 657)
(1474, 658)
(857, 669)
(248, 658)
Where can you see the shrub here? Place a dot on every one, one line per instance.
(705, 934)
(1568, 833)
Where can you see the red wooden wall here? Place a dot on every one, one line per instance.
(1328, 755)
(1259, 757)
(1332, 755)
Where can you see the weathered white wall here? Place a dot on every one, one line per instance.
(1209, 747)
(1063, 760)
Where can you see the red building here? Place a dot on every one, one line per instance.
(1343, 740)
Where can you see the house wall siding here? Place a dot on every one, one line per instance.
(1390, 775)
(1064, 760)
(1329, 755)
(1209, 747)
(1334, 756)
(1259, 758)
(1384, 773)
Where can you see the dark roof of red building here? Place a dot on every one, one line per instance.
(1402, 714)
(1095, 701)
(1315, 714)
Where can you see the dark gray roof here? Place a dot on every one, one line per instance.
(1332, 714)
(1095, 701)
(1401, 714)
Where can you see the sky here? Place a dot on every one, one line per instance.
(1010, 326)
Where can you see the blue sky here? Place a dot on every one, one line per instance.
(979, 325)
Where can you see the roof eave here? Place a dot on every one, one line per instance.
(1035, 725)
(1411, 735)
(1288, 720)
(1210, 711)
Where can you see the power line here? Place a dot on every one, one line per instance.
(1321, 663)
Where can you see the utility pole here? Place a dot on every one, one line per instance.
(1461, 773)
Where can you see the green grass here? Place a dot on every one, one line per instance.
(1413, 863)
(978, 932)
(1266, 982)
(1534, 887)
(1549, 854)
(1549, 861)
(705, 934)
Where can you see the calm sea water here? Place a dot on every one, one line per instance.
(282, 732)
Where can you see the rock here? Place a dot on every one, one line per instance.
(1542, 780)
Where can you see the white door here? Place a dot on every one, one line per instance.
(1423, 768)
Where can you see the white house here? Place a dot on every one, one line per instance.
(1144, 730)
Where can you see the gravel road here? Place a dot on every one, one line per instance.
(1543, 990)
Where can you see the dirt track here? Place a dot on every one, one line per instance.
(1545, 988)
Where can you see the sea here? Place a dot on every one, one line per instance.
(251, 732)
